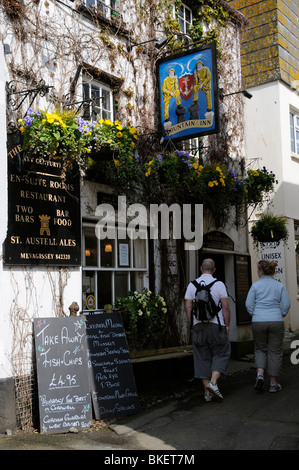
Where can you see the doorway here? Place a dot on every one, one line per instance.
(219, 263)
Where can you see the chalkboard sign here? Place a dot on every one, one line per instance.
(112, 378)
(243, 283)
(62, 374)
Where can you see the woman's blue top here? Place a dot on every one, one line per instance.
(267, 300)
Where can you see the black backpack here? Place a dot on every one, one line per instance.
(204, 307)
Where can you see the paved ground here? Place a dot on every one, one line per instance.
(244, 420)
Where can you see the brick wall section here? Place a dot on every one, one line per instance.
(270, 42)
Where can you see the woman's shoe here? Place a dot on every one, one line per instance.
(275, 388)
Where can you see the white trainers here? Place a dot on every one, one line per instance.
(214, 390)
(208, 396)
(275, 388)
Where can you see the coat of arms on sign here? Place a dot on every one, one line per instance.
(188, 86)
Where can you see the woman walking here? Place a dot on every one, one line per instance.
(268, 302)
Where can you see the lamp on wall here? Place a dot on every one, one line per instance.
(244, 92)
(159, 43)
(108, 248)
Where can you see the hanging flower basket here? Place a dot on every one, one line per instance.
(270, 228)
(64, 135)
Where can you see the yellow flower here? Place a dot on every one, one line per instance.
(222, 181)
(132, 144)
(117, 163)
(211, 184)
(50, 118)
(132, 130)
(195, 166)
(101, 121)
(22, 129)
(200, 168)
(119, 127)
(119, 134)
(148, 172)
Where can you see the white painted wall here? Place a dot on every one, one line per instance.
(268, 144)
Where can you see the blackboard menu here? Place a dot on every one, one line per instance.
(62, 374)
(44, 221)
(243, 283)
(112, 378)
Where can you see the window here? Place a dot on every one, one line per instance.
(111, 267)
(194, 147)
(100, 105)
(185, 18)
(294, 132)
(106, 8)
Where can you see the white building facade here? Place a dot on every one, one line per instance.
(270, 72)
(79, 50)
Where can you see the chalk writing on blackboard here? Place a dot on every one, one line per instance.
(62, 373)
(112, 379)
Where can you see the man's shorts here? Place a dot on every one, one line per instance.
(211, 350)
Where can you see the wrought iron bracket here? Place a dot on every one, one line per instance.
(15, 97)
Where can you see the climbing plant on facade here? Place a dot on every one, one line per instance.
(178, 177)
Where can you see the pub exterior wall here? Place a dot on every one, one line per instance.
(73, 39)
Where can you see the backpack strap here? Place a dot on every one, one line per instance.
(196, 284)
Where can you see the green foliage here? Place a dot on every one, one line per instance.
(177, 177)
(64, 135)
(259, 181)
(55, 135)
(270, 228)
(144, 315)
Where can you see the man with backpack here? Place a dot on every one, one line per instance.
(208, 314)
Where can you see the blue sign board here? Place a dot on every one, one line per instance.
(188, 93)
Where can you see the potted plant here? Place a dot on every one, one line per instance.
(144, 317)
(269, 228)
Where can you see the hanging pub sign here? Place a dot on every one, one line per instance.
(187, 92)
(44, 222)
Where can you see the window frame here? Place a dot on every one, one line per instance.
(117, 268)
(294, 132)
(107, 8)
(96, 111)
(182, 19)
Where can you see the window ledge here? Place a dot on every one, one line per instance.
(295, 157)
(115, 23)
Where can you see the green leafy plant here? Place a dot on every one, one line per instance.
(54, 135)
(177, 177)
(270, 228)
(144, 315)
(63, 134)
(258, 182)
